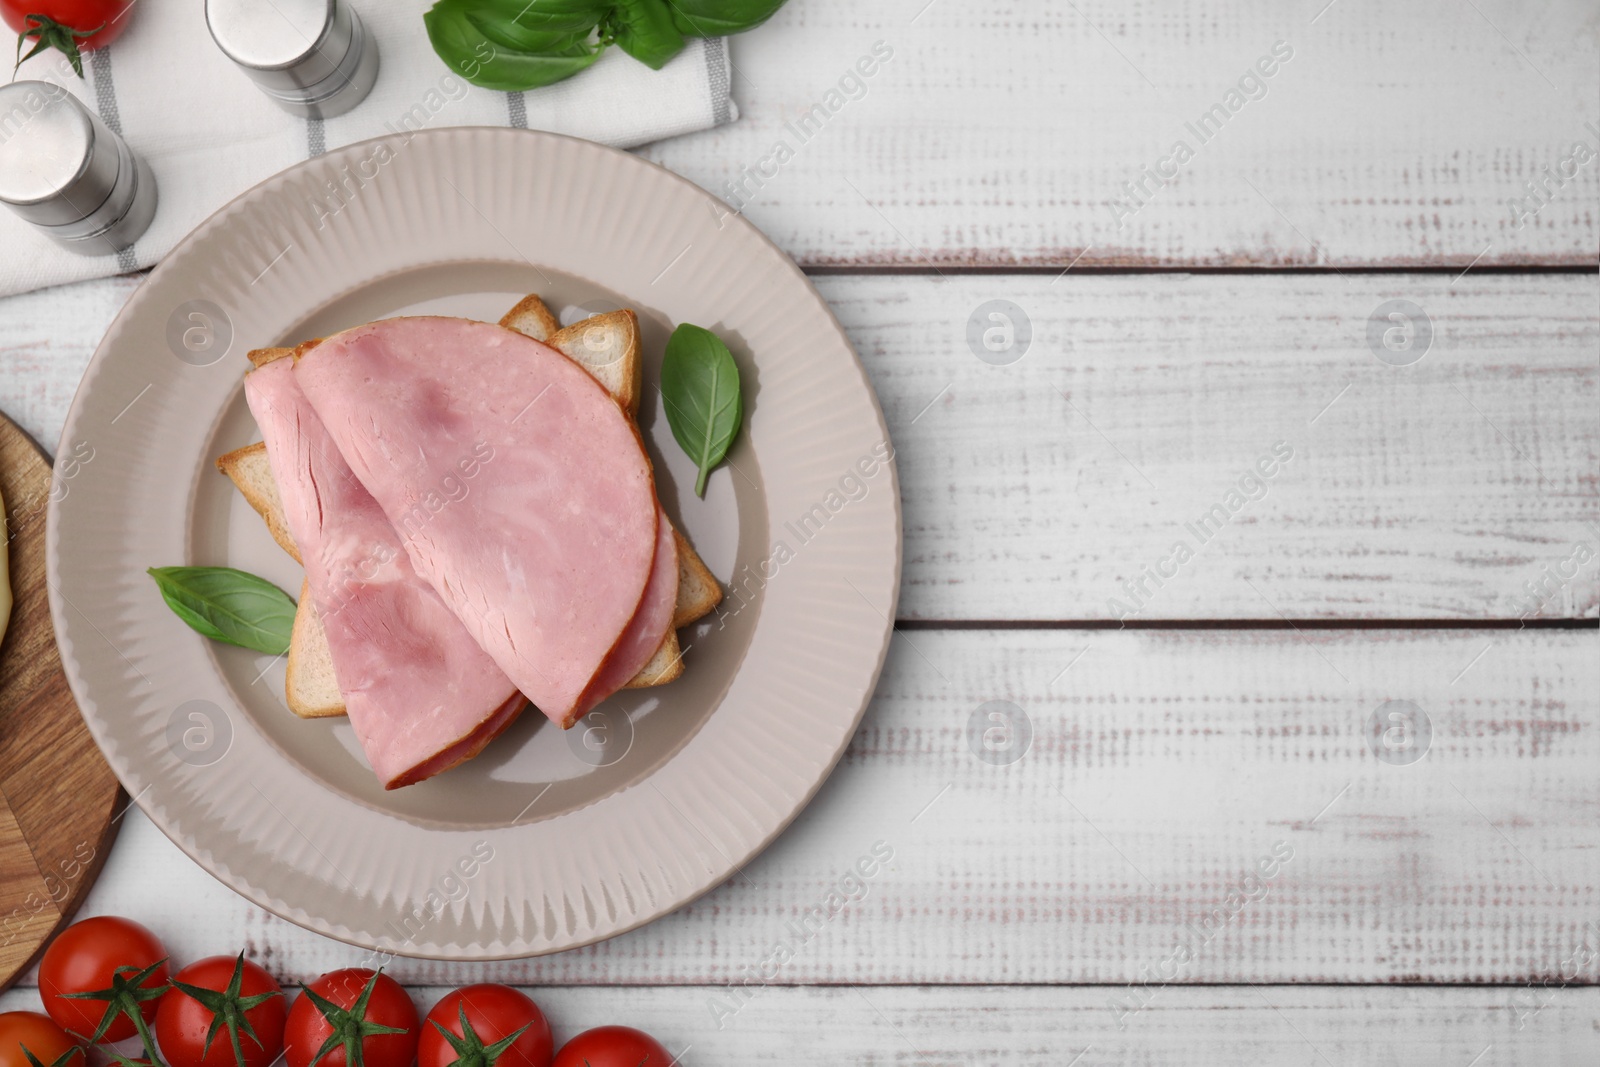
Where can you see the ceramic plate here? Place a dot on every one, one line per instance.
(548, 840)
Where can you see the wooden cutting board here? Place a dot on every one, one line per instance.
(59, 802)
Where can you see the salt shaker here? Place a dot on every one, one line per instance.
(314, 58)
(66, 172)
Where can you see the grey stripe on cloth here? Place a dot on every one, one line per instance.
(517, 110)
(105, 90)
(316, 138)
(105, 102)
(717, 74)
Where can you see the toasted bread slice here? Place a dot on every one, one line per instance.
(607, 346)
(252, 474)
(665, 664)
(311, 690)
(260, 357)
(532, 318)
(309, 686)
(698, 591)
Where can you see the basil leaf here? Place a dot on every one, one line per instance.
(514, 37)
(229, 605)
(525, 16)
(511, 45)
(540, 27)
(700, 385)
(644, 30)
(719, 18)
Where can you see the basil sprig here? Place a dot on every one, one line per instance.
(700, 385)
(229, 605)
(512, 45)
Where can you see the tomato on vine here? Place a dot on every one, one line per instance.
(614, 1046)
(32, 1039)
(352, 1018)
(219, 996)
(103, 978)
(485, 1025)
(69, 26)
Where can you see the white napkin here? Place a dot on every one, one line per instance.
(210, 134)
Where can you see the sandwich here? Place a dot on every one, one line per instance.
(566, 612)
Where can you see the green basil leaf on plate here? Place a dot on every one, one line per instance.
(644, 29)
(229, 605)
(700, 386)
(719, 18)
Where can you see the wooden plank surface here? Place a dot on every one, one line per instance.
(1047, 1026)
(46, 339)
(1035, 490)
(1166, 771)
(1006, 134)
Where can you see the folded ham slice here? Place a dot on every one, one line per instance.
(519, 487)
(649, 625)
(422, 695)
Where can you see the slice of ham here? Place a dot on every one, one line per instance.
(650, 623)
(519, 487)
(422, 695)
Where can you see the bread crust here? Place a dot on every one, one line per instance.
(698, 590)
(531, 317)
(665, 665)
(251, 473)
(310, 687)
(623, 372)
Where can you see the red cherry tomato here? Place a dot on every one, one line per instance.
(614, 1046)
(387, 1005)
(494, 1012)
(252, 1015)
(84, 958)
(107, 17)
(35, 1032)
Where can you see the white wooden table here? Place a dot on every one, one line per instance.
(1201, 856)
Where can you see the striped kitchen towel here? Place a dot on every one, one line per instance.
(210, 134)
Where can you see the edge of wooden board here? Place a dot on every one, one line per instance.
(66, 842)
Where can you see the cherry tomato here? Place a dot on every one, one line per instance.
(35, 1032)
(364, 1042)
(249, 1002)
(89, 956)
(107, 17)
(614, 1046)
(494, 1012)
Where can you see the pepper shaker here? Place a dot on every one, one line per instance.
(66, 172)
(314, 58)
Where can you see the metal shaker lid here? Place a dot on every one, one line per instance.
(58, 162)
(286, 45)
